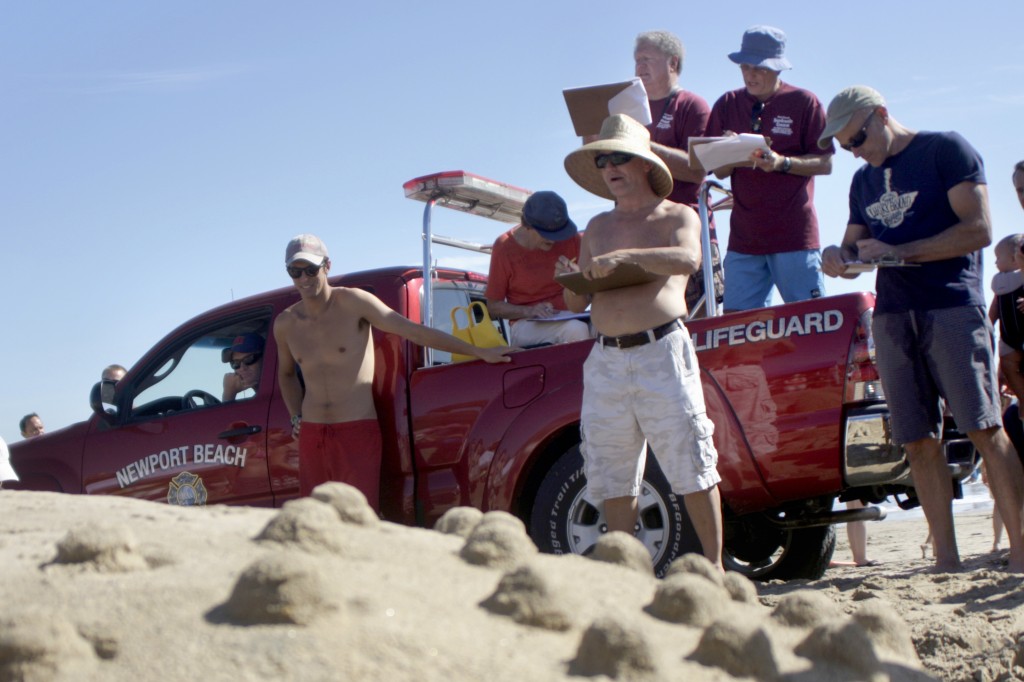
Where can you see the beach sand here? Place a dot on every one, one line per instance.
(103, 588)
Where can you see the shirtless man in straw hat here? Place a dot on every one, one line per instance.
(641, 381)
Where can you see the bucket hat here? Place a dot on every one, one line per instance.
(763, 46)
(619, 133)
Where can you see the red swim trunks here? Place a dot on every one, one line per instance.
(349, 452)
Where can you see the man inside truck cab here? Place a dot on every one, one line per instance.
(521, 284)
(327, 334)
(245, 355)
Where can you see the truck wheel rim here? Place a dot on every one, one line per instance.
(586, 522)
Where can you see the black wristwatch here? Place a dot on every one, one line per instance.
(787, 164)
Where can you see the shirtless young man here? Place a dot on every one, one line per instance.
(327, 334)
(641, 381)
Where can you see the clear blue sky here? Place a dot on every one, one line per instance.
(156, 157)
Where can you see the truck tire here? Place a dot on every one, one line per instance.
(564, 521)
(763, 552)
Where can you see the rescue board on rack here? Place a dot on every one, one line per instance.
(470, 193)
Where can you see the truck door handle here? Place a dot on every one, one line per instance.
(243, 431)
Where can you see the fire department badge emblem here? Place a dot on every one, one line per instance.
(186, 490)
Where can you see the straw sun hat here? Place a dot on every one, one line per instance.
(619, 133)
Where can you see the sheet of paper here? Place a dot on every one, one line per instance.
(590, 106)
(632, 102)
(714, 152)
(867, 266)
(562, 315)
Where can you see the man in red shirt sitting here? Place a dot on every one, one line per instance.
(521, 286)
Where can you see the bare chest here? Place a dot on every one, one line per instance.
(330, 340)
(615, 235)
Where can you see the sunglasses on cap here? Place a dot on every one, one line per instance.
(755, 117)
(248, 361)
(615, 158)
(861, 136)
(310, 270)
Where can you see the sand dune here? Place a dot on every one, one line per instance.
(100, 588)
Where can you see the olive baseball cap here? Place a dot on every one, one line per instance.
(842, 108)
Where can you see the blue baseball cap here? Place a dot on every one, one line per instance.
(246, 343)
(547, 213)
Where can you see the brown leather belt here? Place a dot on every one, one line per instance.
(640, 338)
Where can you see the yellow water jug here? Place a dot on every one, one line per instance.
(478, 332)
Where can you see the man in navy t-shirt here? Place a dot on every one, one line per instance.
(921, 199)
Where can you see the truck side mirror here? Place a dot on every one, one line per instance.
(101, 400)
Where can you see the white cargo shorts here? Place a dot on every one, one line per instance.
(646, 394)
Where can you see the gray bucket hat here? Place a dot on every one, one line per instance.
(763, 46)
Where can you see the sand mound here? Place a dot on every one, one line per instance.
(320, 589)
(103, 548)
(281, 588)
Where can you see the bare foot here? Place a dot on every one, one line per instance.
(1015, 562)
(947, 567)
(840, 564)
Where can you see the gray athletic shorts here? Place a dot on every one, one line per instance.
(927, 356)
(651, 390)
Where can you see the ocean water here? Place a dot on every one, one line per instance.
(976, 499)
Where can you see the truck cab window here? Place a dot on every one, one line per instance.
(223, 364)
(446, 300)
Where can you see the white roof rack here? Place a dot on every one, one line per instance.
(466, 192)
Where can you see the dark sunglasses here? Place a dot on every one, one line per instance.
(755, 117)
(310, 271)
(615, 158)
(861, 136)
(248, 360)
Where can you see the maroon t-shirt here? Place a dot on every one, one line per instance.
(773, 212)
(677, 118)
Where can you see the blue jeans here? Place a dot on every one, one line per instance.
(749, 279)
